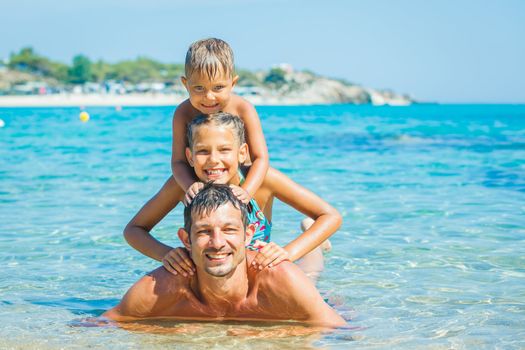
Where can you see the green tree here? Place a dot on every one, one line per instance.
(276, 77)
(28, 61)
(80, 72)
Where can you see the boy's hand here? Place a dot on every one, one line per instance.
(192, 192)
(269, 255)
(177, 261)
(241, 194)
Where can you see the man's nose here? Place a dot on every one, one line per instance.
(217, 239)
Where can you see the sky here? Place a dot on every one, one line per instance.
(462, 51)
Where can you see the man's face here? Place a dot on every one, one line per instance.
(218, 240)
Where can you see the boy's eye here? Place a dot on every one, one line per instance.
(219, 87)
(198, 88)
(226, 149)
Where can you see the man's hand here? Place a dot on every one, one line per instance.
(269, 255)
(177, 261)
(241, 194)
(192, 192)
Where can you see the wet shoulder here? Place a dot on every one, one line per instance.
(185, 111)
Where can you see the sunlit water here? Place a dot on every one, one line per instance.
(431, 253)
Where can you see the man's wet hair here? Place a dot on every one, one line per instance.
(218, 119)
(211, 197)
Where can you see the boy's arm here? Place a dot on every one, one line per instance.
(327, 218)
(182, 172)
(256, 146)
(137, 231)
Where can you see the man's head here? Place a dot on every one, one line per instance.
(209, 74)
(215, 230)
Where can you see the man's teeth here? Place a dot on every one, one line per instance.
(217, 256)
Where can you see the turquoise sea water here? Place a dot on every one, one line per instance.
(431, 253)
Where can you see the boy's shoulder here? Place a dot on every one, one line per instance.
(240, 106)
(185, 111)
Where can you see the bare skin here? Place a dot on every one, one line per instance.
(211, 95)
(217, 148)
(224, 286)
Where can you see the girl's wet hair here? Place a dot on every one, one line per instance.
(211, 197)
(209, 57)
(217, 119)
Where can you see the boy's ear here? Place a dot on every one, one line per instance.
(184, 238)
(189, 156)
(234, 80)
(250, 231)
(184, 81)
(243, 153)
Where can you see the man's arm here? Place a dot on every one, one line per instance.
(138, 302)
(289, 283)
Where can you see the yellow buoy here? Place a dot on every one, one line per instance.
(84, 116)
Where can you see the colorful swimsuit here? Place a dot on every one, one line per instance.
(256, 217)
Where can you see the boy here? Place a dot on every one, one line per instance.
(209, 79)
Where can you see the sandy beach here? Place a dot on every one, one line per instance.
(72, 100)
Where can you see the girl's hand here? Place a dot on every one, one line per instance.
(177, 261)
(241, 194)
(269, 255)
(192, 192)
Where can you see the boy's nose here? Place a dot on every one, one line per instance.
(210, 96)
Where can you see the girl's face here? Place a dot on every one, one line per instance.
(216, 154)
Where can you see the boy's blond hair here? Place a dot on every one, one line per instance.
(210, 57)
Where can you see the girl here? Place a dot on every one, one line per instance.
(216, 151)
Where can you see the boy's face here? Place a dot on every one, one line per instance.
(209, 95)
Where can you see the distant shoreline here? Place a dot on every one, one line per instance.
(148, 99)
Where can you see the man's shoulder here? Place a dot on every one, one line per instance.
(284, 275)
(153, 290)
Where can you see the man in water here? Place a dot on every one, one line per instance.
(224, 286)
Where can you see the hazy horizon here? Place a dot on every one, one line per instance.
(437, 51)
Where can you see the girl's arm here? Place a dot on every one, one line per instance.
(182, 172)
(256, 146)
(327, 218)
(137, 231)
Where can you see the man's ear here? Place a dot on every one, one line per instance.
(234, 80)
(189, 156)
(243, 153)
(250, 231)
(184, 238)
